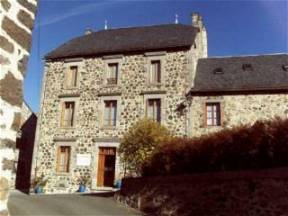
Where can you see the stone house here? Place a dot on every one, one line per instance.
(16, 24)
(97, 85)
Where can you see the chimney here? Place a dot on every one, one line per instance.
(197, 20)
(88, 31)
(105, 24)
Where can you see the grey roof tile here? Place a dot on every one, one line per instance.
(123, 40)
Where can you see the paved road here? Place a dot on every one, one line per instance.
(75, 204)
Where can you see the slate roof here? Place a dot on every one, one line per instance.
(267, 74)
(116, 41)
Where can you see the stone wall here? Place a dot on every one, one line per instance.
(255, 193)
(88, 133)
(237, 110)
(16, 23)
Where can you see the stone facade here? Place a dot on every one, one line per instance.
(237, 110)
(16, 22)
(131, 92)
(89, 134)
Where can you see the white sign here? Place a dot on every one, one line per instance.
(83, 160)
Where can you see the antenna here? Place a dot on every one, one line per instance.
(176, 19)
(106, 25)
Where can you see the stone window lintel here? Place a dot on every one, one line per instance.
(112, 57)
(161, 53)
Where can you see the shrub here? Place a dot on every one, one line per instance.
(262, 145)
(139, 142)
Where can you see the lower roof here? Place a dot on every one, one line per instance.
(244, 73)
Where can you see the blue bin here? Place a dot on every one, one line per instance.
(82, 188)
(38, 190)
(118, 184)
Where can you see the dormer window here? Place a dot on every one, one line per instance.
(285, 67)
(247, 67)
(218, 70)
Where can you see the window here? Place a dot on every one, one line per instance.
(71, 76)
(112, 76)
(218, 71)
(154, 109)
(67, 115)
(155, 72)
(110, 113)
(213, 114)
(63, 159)
(247, 67)
(285, 67)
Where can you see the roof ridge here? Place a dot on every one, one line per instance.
(242, 56)
(143, 26)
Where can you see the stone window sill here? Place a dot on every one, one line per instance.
(109, 128)
(67, 127)
(112, 85)
(71, 87)
(213, 126)
(63, 174)
(155, 84)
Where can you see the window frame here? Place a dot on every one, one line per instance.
(68, 63)
(158, 119)
(108, 75)
(75, 81)
(157, 81)
(155, 56)
(68, 164)
(114, 59)
(63, 114)
(75, 114)
(112, 119)
(72, 162)
(162, 98)
(102, 111)
(216, 121)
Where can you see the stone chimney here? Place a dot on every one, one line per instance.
(201, 39)
(197, 20)
(88, 31)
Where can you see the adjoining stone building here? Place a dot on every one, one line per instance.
(16, 23)
(233, 91)
(97, 85)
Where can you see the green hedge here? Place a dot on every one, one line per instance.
(262, 145)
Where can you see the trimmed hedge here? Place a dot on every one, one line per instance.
(262, 145)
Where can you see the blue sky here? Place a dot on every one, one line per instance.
(234, 27)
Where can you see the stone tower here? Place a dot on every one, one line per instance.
(16, 21)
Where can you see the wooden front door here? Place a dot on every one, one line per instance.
(106, 166)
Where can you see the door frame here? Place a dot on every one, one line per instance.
(94, 174)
